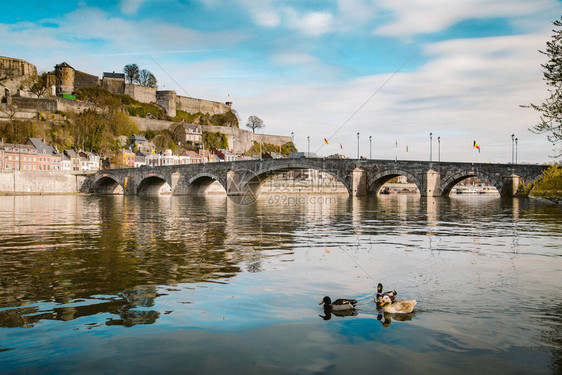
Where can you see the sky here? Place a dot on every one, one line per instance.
(391, 70)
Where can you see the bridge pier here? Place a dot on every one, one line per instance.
(431, 181)
(359, 182)
(510, 185)
(129, 186)
(233, 183)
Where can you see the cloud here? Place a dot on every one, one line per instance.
(423, 16)
(313, 24)
(130, 7)
(469, 89)
(263, 12)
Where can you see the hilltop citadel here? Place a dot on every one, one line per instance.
(17, 77)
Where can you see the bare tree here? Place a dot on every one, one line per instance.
(254, 122)
(131, 72)
(40, 85)
(147, 79)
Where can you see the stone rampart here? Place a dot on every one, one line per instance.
(244, 138)
(34, 104)
(115, 85)
(28, 108)
(12, 68)
(193, 105)
(40, 182)
(82, 79)
(152, 124)
(141, 93)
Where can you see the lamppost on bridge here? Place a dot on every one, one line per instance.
(512, 142)
(430, 147)
(370, 147)
(357, 145)
(308, 140)
(439, 149)
(516, 139)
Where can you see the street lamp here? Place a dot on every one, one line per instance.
(516, 139)
(308, 140)
(439, 149)
(370, 147)
(512, 142)
(430, 146)
(357, 145)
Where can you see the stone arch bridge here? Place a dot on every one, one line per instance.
(360, 177)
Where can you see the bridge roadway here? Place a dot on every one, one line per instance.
(360, 177)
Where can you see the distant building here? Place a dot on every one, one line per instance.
(123, 159)
(75, 160)
(46, 155)
(271, 155)
(337, 156)
(19, 157)
(65, 164)
(193, 134)
(69, 79)
(90, 161)
(299, 155)
(137, 140)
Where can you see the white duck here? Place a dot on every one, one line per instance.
(398, 307)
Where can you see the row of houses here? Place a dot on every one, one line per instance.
(36, 155)
(128, 159)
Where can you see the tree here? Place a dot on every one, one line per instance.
(254, 122)
(550, 185)
(147, 79)
(131, 72)
(40, 85)
(551, 110)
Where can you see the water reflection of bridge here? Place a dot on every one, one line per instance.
(359, 177)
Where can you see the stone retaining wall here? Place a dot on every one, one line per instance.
(40, 182)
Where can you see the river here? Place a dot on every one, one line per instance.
(143, 285)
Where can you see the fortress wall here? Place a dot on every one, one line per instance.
(244, 138)
(29, 107)
(34, 104)
(114, 85)
(67, 105)
(167, 99)
(141, 93)
(193, 105)
(153, 124)
(11, 68)
(40, 182)
(82, 79)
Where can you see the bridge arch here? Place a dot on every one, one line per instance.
(200, 183)
(450, 182)
(375, 182)
(106, 184)
(152, 184)
(255, 180)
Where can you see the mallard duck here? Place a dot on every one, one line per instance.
(399, 307)
(339, 304)
(391, 294)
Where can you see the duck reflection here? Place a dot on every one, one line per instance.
(328, 312)
(386, 318)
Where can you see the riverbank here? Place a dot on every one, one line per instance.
(14, 182)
